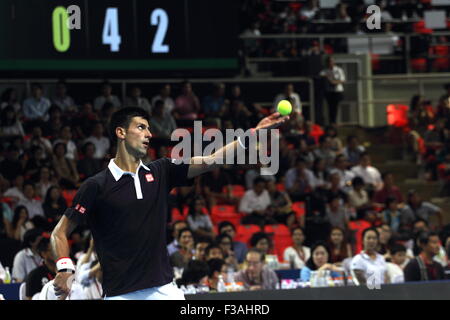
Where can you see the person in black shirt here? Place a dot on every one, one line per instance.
(125, 206)
(38, 277)
(423, 267)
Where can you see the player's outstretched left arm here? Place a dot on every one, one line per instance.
(200, 165)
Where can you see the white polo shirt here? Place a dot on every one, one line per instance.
(374, 270)
(117, 174)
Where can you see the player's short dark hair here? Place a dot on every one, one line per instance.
(215, 265)
(122, 118)
(397, 248)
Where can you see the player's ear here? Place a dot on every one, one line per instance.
(120, 133)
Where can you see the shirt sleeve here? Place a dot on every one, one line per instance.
(83, 203)
(177, 174)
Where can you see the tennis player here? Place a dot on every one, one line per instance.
(125, 206)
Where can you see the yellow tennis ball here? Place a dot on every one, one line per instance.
(284, 107)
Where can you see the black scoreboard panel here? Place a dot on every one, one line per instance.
(118, 33)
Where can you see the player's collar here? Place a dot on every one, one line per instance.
(118, 173)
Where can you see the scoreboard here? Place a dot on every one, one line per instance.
(118, 34)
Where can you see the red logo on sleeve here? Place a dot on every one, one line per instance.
(149, 177)
(80, 208)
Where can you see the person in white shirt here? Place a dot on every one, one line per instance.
(16, 191)
(298, 254)
(65, 136)
(290, 94)
(62, 100)
(28, 258)
(369, 174)
(398, 262)
(164, 95)
(255, 203)
(136, 100)
(106, 96)
(334, 89)
(101, 143)
(345, 175)
(369, 267)
(33, 206)
(36, 107)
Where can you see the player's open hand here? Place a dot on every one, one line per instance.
(273, 121)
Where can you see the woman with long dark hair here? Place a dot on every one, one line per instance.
(54, 204)
(9, 123)
(20, 223)
(340, 249)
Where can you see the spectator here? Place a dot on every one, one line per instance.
(63, 100)
(340, 249)
(214, 251)
(256, 276)
(345, 175)
(88, 166)
(281, 205)
(54, 204)
(16, 191)
(177, 226)
(334, 189)
(9, 123)
(45, 181)
(297, 254)
(325, 151)
(358, 197)
(136, 100)
(226, 243)
(200, 248)
(297, 180)
(101, 143)
(33, 205)
(292, 96)
(353, 150)
(369, 174)
(198, 219)
(341, 14)
(106, 96)
(36, 106)
(254, 204)
(38, 277)
(66, 170)
(195, 273)
(337, 214)
(83, 120)
(164, 95)
(217, 267)
(336, 142)
(386, 240)
(53, 125)
(416, 208)
(162, 124)
(28, 258)
(11, 167)
(20, 223)
(184, 254)
(395, 267)
(187, 104)
(38, 140)
(334, 87)
(217, 188)
(10, 98)
(392, 216)
(65, 136)
(319, 261)
(423, 267)
(215, 105)
(262, 242)
(36, 160)
(253, 172)
(239, 248)
(369, 266)
(319, 176)
(389, 190)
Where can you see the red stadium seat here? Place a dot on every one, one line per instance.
(221, 213)
(245, 232)
(299, 208)
(281, 238)
(357, 227)
(237, 190)
(176, 215)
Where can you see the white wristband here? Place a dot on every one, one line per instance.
(65, 263)
(240, 142)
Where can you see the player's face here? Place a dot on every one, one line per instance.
(137, 137)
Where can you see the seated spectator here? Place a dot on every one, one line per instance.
(65, 169)
(9, 123)
(281, 205)
(136, 100)
(54, 205)
(38, 277)
(45, 180)
(395, 267)
(358, 197)
(353, 150)
(106, 96)
(345, 175)
(262, 242)
(20, 223)
(336, 143)
(215, 105)
(184, 254)
(38, 140)
(214, 251)
(82, 121)
(341, 13)
(65, 136)
(177, 226)
(287, 155)
(187, 104)
(200, 248)
(53, 125)
(16, 191)
(340, 249)
(164, 95)
(36, 160)
(288, 94)
(386, 239)
(337, 214)
(239, 115)
(11, 167)
(389, 190)
(226, 243)
(254, 204)
(217, 267)
(28, 258)
(198, 219)
(63, 100)
(162, 124)
(33, 205)
(239, 248)
(298, 254)
(101, 142)
(88, 166)
(297, 181)
(195, 273)
(369, 267)
(36, 107)
(10, 97)
(253, 172)
(369, 174)
(319, 175)
(333, 189)
(325, 151)
(417, 208)
(255, 275)
(319, 261)
(423, 267)
(392, 216)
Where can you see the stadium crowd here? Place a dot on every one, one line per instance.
(327, 208)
